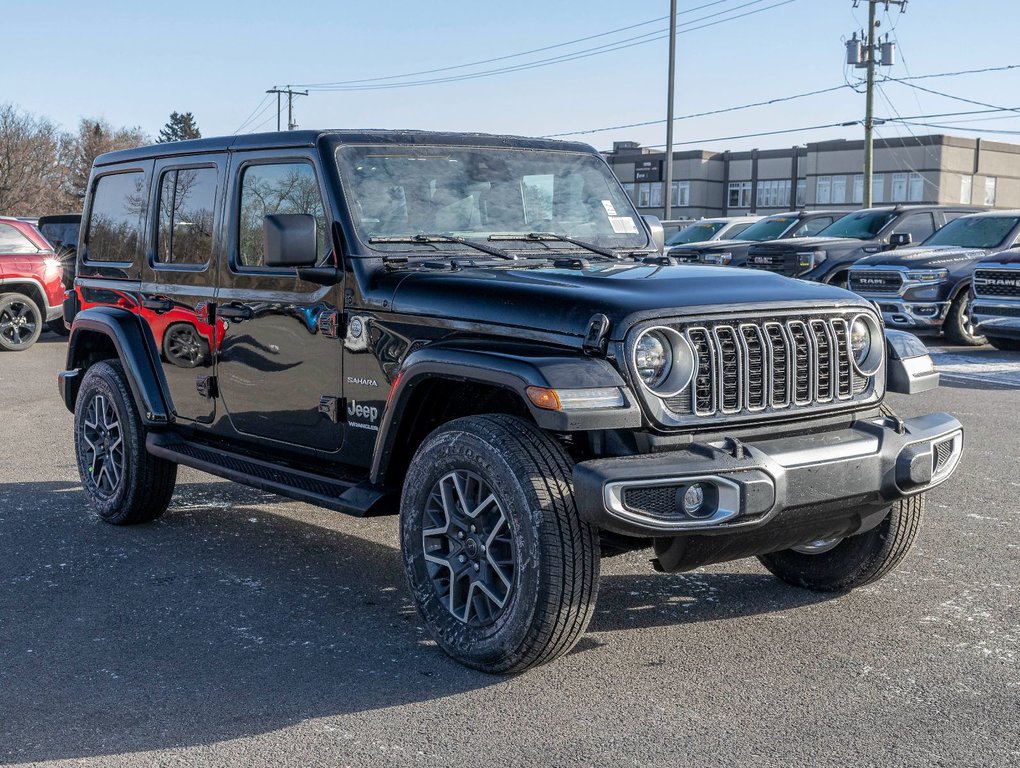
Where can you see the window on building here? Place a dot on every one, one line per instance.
(858, 189)
(115, 223)
(966, 188)
(280, 188)
(629, 189)
(838, 190)
(656, 194)
(774, 193)
(916, 191)
(187, 200)
(878, 188)
(681, 197)
(907, 187)
(990, 190)
(801, 199)
(899, 188)
(739, 194)
(823, 190)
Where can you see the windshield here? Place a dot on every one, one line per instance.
(695, 233)
(862, 225)
(768, 229)
(473, 192)
(975, 232)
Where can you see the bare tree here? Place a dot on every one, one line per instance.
(31, 175)
(94, 137)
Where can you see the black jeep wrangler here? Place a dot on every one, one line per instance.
(484, 328)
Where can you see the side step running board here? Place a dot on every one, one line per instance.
(358, 499)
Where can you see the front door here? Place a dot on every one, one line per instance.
(278, 368)
(179, 279)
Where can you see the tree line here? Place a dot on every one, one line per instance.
(45, 170)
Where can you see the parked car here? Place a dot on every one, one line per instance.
(732, 251)
(996, 306)
(61, 232)
(671, 226)
(410, 319)
(828, 257)
(31, 292)
(704, 230)
(926, 289)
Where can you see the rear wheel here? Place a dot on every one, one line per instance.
(1006, 345)
(20, 322)
(959, 326)
(842, 564)
(503, 570)
(124, 483)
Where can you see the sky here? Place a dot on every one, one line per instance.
(133, 62)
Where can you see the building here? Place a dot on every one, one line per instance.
(825, 174)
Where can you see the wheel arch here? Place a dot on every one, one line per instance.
(33, 289)
(103, 333)
(437, 384)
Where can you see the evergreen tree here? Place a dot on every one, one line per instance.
(181, 126)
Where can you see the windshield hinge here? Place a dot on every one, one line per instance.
(596, 335)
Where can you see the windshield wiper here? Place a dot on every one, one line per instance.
(538, 237)
(426, 239)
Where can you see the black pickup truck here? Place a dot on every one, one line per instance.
(996, 291)
(733, 252)
(481, 334)
(926, 289)
(827, 257)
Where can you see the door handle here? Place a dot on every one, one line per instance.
(157, 304)
(235, 311)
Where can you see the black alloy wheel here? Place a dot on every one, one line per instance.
(20, 322)
(103, 438)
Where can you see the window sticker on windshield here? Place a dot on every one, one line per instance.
(610, 208)
(623, 225)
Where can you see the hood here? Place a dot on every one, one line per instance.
(812, 244)
(563, 300)
(935, 257)
(1011, 257)
(710, 245)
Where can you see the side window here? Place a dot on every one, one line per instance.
(115, 224)
(921, 226)
(812, 227)
(276, 188)
(12, 241)
(187, 202)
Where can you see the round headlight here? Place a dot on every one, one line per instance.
(653, 358)
(866, 344)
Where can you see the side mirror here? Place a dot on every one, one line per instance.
(898, 239)
(656, 230)
(289, 240)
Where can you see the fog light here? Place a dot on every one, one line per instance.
(694, 499)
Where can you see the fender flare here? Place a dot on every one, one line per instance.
(136, 350)
(513, 371)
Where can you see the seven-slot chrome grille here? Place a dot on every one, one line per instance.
(769, 365)
(1004, 283)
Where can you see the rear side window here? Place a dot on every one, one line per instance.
(187, 203)
(115, 224)
(276, 188)
(12, 241)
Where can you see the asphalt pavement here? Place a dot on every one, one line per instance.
(245, 629)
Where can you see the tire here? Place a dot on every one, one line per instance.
(21, 322)
(124, 483)
(856, 560)
(518, 481)
(1004, 344)
(184, 347)
(58, 327)
(959, 324)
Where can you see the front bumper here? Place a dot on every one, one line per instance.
(919, 316)
(745, 486)
(997, 318)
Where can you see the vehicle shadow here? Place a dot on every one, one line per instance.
(225, 620)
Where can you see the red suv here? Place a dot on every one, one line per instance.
(31, 292)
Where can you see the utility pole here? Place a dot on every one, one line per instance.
(863, 53)
(291, 125)
(669, 110)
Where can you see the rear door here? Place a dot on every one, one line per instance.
(278, 367)
(179, 278)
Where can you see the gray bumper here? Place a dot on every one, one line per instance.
(997, 318)
(746, 485)
(919, 316)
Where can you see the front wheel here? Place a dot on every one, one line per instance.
(124, 483)
(1004, 344)
(503, 570)
(959, 326)
(839, 565)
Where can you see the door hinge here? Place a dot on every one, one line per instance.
(207, 387)
(329, 406)
(329, 325)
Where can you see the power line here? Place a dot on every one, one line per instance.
(253, 115)
(512, 55)
(956, 98)
(583, 54)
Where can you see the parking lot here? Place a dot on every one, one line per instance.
(246, 629)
